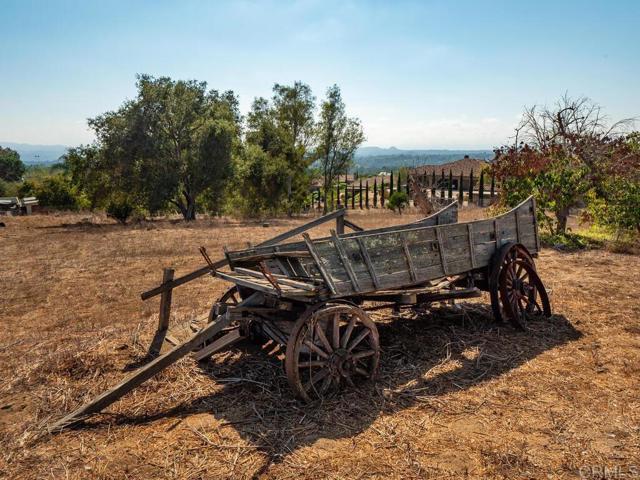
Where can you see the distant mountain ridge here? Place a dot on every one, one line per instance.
(374, 159)
(34, 154)
(393, 151)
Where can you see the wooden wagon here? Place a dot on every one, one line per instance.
(311, 297)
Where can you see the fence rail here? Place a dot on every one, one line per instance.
(470, 190)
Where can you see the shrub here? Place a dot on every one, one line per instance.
(55, 191)
(398, 200)
(120, 208)
(620, 212)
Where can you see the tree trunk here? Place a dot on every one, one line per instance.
(187, 209)
(562, 216)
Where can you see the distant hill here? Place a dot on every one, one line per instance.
(34, 154)
(373, 159)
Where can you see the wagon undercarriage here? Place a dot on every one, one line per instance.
(310, 299)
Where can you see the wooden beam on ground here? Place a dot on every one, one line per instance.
(222, 262)
(142, 375)
(149, 370)
(223, 342)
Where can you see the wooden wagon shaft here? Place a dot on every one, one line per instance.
(145, 373)
(222, 262)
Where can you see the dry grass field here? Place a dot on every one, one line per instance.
(458, 396)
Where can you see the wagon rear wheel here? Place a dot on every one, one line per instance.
(329, 347)
(517, 293)
(522, 293)
(507, 254)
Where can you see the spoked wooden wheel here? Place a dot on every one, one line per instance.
(330, 347)
(522, 293)
(508, 253)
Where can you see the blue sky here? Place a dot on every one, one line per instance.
(430, 74)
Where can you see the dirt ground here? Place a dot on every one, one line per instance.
(458, 396)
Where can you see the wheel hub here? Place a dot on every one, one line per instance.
(338, 362)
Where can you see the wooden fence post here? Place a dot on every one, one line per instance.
(340, 224)
(433, 183)
(481, 190)
(442, 184)
(360, 194)
(338, 193)
(493, 186)
(450, 193)
(165, 314)
(346, 195)
(353, 197)
(375, 193)
(367, 195)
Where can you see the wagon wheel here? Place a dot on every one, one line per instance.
(507, 254)
(329, 347)
(522, 293)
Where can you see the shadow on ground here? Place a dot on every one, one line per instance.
(425, 356)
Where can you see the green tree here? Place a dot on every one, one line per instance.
(283, 127)
(170, 145)
(338, 138)
(261, 180)
(11, 167)
(397, 201)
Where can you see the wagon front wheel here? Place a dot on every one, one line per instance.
(329, 347)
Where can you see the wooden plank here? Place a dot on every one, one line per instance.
(496, 233)
(449, 213)
(165, 300)
(222, 262)
(318, 261)
(181, 280)
(248, 283)
(407, 256)
(142, 375)
(303, 228)
(345, 260)
(352, 226)
(443, 260)
(165, 314)
(281, 279)
(535, 223)
(340, 222)
(471, 245)
(368, 263)
(517, 226)
(223, 342)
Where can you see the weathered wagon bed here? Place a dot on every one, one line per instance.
(310, 297)
(388, 258)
